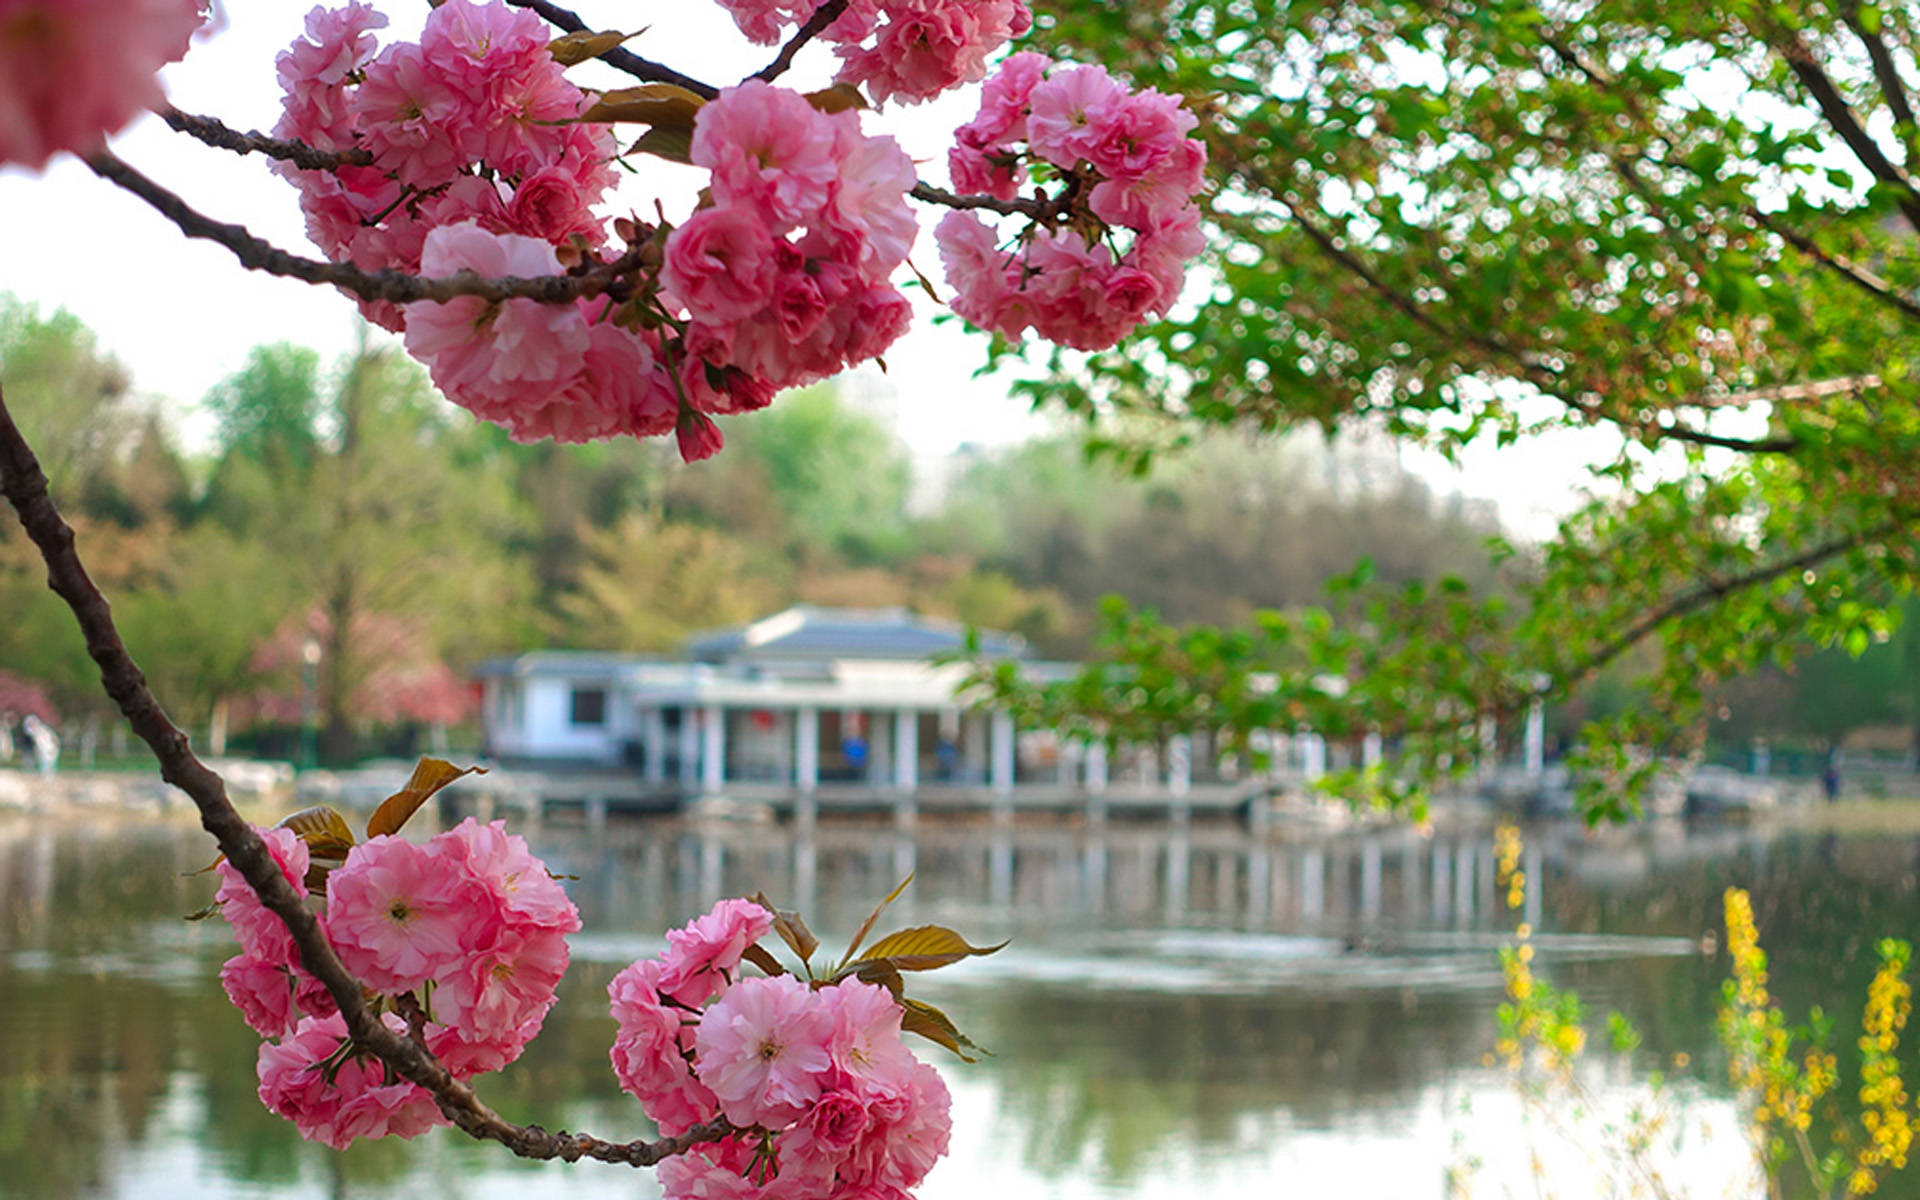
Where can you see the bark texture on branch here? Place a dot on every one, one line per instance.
(25, 486)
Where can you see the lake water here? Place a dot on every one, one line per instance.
(1180, 1015)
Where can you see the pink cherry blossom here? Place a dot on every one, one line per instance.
(710, 1171)
(762, 20)
(494, 358)
(1140, 201)
(813, 1148)
(530, 898)
(263, 992)
(720, 264)
(923, 47)
(702, 952)
(866, 1033)
(1068, 111)
(467, 1055)
(314, 73)
(646, 1050)
(1004, 97)
(771, 153)
(261, 933)
(359, 1100)
(74, 71)
(492, 993)
(910, 1126)
(399, 916)
(697, 436)
(764, 1048)
(410, 118)
(551, 205)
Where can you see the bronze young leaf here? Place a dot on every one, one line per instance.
(866, 926)
(429, 776)
(924, 948)
(574, 48)
(758, 956)
(930, 1023)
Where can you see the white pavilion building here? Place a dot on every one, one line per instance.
(803, 697)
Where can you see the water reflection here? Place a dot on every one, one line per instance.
(1184, 1012)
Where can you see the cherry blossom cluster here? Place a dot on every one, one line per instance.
(826, 1099)
(784, 277)
(1126, 168)
(469, 150)
(910, 50)
(74, 71)
(469, 927)
(477, 164)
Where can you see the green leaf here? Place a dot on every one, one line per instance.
(924, 948)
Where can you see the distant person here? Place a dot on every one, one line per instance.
(45, 742)
(854, 749)
(948, 756)
(1830, 778)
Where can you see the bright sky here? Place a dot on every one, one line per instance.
(182, 315)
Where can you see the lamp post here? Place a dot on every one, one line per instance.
(309, 695)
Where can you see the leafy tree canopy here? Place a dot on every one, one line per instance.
(1689, 226)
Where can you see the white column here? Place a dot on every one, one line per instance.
(1370, 879)
(1313, 756)
(880, 748)
(973, 747)
(1179, 764)
(713, 750)
(1002, 754)
(806, 749)
(906, 749)
(653, 736)
(1097, 766)
(689, 745)
(1370, 750)
(1536, 739)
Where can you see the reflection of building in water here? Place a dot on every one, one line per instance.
(1117, 876)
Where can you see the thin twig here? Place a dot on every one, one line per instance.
(620, 58)
(215, 133)
(822, 17)
(1038, 210)
(394, 286)
(1839, 264)
(25, 486)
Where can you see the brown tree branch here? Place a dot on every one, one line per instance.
(1718, 589)
(1885, 71)
(395, 286)
(1840, 117)
(1544, 379)
(214, 133)
(25, 486)
(1033, 209)
(1840, 265)
(620, 58)
(825, 15)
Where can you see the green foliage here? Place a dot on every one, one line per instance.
(1687, 227)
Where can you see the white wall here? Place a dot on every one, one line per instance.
(548, 728)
